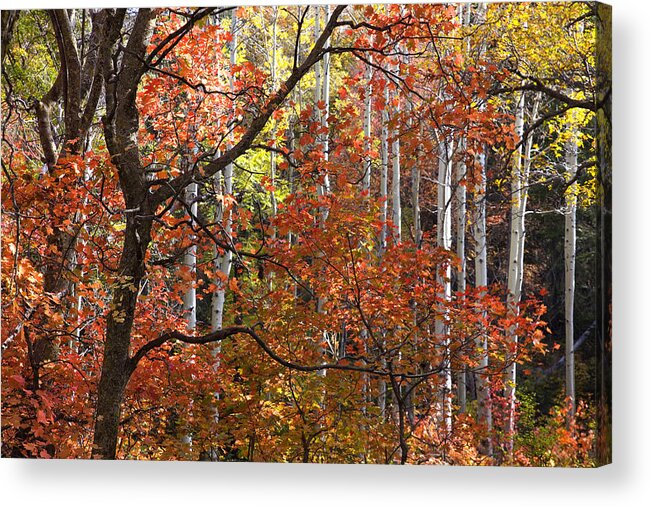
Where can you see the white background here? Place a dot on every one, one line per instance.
(627, 482)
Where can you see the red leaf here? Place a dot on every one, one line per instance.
(40, 417)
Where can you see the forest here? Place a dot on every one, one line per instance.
(319, 234)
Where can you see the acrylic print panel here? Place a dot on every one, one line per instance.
(331, 234)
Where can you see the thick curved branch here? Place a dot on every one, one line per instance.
(131, 69)
(45, 134)
(534, 84)
(168, 43)
(227, 332)
(93, 80)
(71, 68)
(44, 122)
(9, 19)
(215, 336)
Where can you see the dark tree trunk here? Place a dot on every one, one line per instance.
(9, 19)
(120, 130)
(116, 366)
(604, 237)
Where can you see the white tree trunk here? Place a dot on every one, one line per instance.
(79, 218)
(396, 215)
(415, 195)
(190, 261)
(366, 192)
(190, 295)
(484, 411)
(384, 176)
(519, 195)
(460, 195)
(325, 96)
(223, 262)
(217, 303)
(322, 93)
(384, 214)
(272, 194)
(366, 181)
(444, 240)
(291, 144)
(570, 258)
(515, 267)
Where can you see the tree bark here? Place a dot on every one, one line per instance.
(396, 214)
(190, 296)
(415, 195)
(224, 262)
(518, 192)
(190, 261)
(384, 216)
(384, 175)
(519, 195)
(460, 194)
(272, 168)
(366, 181)
(120, 130)
(570, 258)
(444, 241)
(9, 19)
(484, 412)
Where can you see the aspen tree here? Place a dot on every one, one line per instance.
(484, 411)
(519, 195)
(274, 70)
(444, 241)
(460, 218)
(224, 261)
(384, 215)
(571, 150)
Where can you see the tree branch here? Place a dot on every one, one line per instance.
(176, 185)
(536, 85)
(71, 68)
(93, 70)
(227, 332)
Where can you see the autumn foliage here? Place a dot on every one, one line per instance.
(342, 332)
